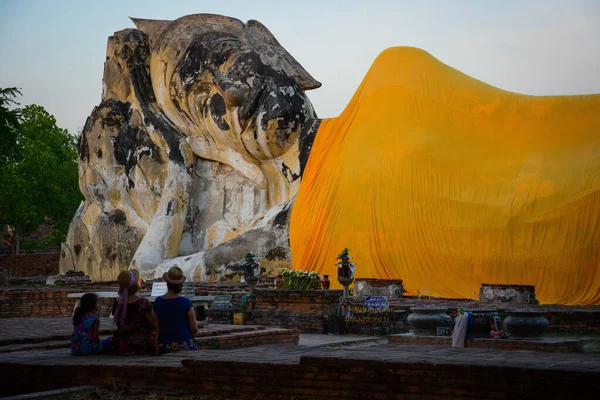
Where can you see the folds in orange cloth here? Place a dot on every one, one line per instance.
(443, 181)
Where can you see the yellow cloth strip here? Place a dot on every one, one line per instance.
(441, 180)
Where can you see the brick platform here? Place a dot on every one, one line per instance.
(19, 334)
(283, 372)
(41, 302)
(38, 330)
(546, 345)
(303, 310)
(245, 336)
(572, 319)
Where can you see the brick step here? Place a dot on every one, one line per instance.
(42, 339)
(51, 344)
(216, 329)
(248, 338)
(54, 344)
(54, 393)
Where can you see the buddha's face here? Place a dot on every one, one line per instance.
(231, 83)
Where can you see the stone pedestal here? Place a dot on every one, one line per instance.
(511, 294)
(378, 287)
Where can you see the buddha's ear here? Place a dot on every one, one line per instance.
(256, 30)
(151, 27)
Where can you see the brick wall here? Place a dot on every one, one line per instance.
(303, 310)
(235, 289)
(574, 321)
(30, 264)
(41, 302)
(316, 378)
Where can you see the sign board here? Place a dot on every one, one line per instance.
(189, 289)
(221, 302)
(376, 303)
(158, 289)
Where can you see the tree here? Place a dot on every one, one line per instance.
(39, 176)
(9, 122)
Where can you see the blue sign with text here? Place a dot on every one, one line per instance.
(376, 303)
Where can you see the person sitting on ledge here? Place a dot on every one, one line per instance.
(134, 317)
(86, 326)
(177, 326)
(496, 326)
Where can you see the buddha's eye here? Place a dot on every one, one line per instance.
(229, 46)
(223, 50)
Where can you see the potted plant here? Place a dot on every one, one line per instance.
(346, 270)
(299, 280)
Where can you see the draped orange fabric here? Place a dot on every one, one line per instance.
(441, 180)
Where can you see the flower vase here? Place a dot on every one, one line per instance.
(325, 282)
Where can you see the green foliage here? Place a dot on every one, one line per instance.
(29, 244)
(344, 254)
(9, 122)
(38, 174)
(299, 280)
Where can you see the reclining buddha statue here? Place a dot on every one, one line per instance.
(198, 141)
(205, 147)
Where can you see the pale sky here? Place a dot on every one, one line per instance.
(54, 50)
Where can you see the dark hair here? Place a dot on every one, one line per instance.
(124, 280)
(86, 304)
(175, 288)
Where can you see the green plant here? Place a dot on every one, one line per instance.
(299, 280)
(29, 244)
(38, 172)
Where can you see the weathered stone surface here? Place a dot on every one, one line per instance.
(195, 151)
(270, 232)
(510, 294)
(67, 279)
(378, 287)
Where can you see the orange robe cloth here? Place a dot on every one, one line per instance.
(441, 180)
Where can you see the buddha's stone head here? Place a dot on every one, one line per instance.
(228, 85)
